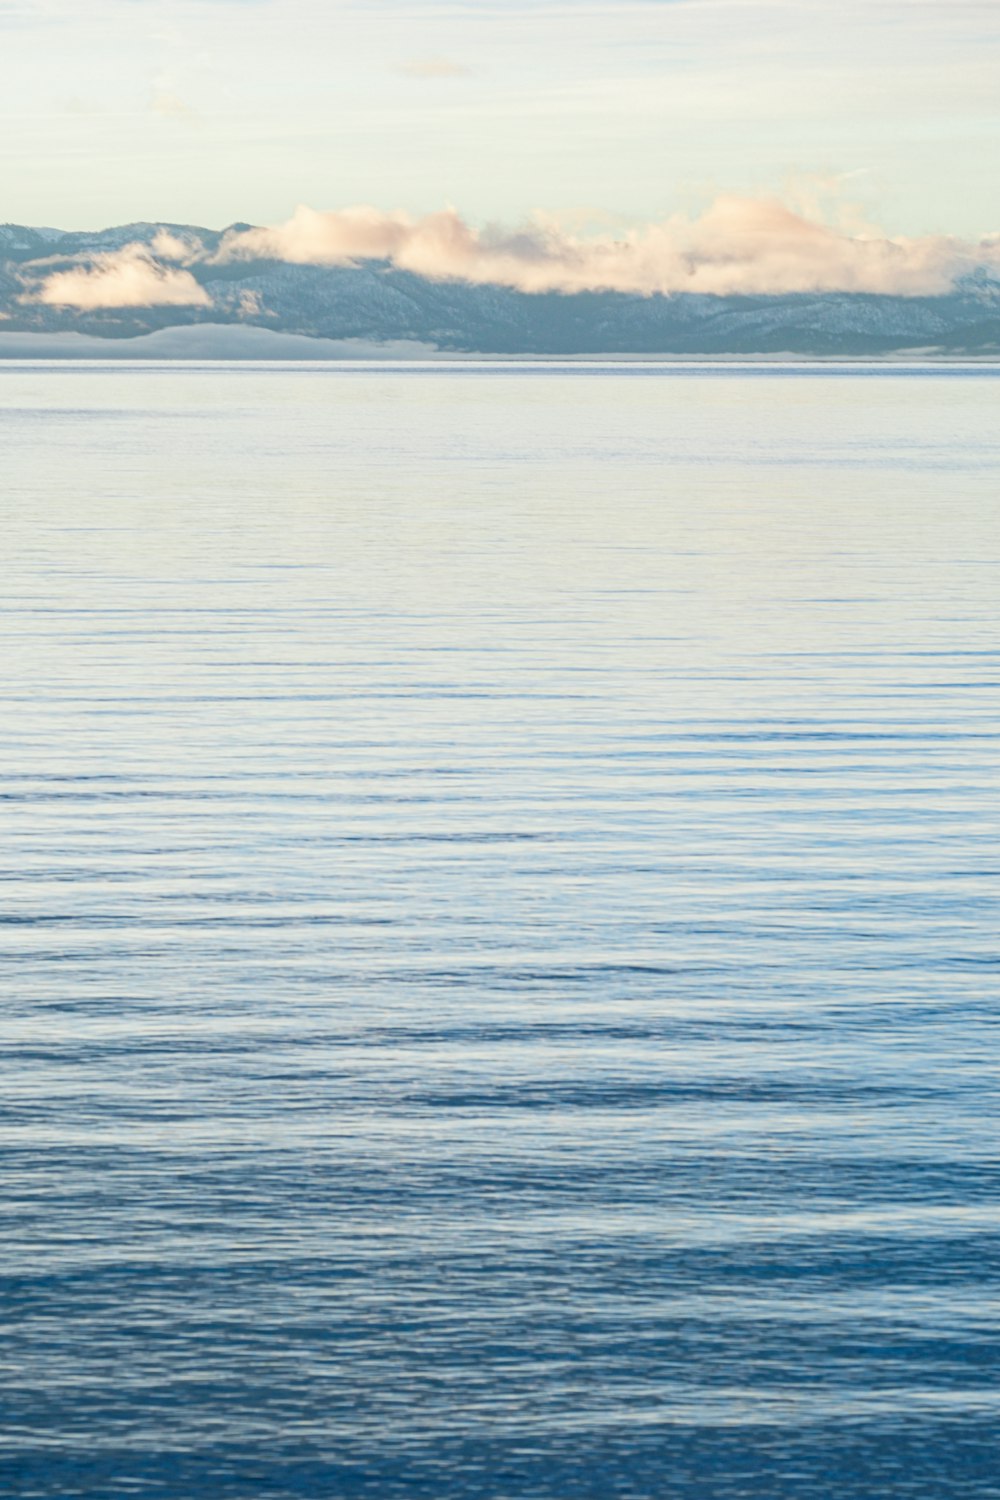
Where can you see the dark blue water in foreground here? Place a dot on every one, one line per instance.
(499, 934)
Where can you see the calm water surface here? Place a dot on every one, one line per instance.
(499, 936)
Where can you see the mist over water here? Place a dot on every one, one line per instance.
(499, 932)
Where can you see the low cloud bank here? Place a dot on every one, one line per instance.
(739, 246)
(130, 277)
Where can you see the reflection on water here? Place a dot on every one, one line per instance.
(498, 914)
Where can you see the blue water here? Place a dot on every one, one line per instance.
(499, 938)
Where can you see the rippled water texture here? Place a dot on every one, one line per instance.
(499, 933)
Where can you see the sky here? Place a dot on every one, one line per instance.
(600, 112)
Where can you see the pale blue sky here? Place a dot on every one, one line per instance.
(213, 110)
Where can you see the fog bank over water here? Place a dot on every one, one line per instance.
(205, 341)
(219, 341)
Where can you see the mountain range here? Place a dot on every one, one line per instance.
(376, 304)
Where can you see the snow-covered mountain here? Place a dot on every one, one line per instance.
(378, 303)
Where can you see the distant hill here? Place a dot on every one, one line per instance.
(376, 303)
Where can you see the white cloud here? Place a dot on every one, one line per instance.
(250, 304)
(166, 245)
(739, 246)
(130, 277)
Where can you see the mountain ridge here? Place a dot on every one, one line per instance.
(376, 303)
